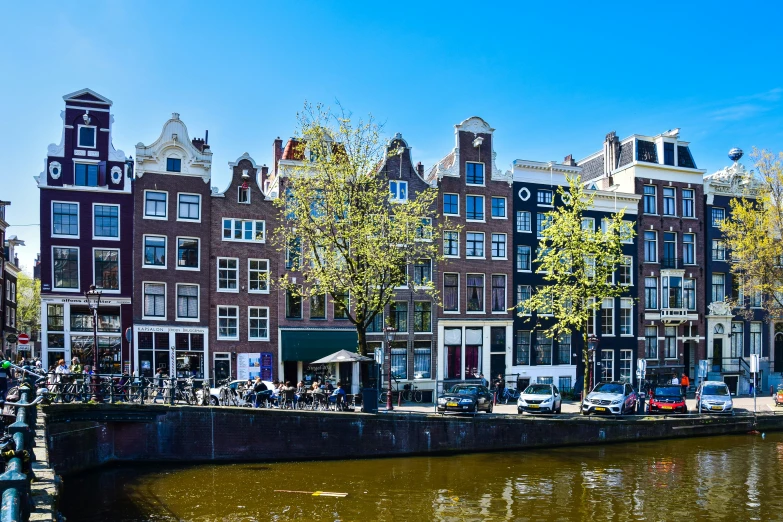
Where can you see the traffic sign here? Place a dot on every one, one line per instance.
(129, 334)
(23, 338)
(11, 338)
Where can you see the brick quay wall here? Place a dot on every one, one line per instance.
(81, 437)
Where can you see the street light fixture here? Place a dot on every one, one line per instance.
(93, 300)
(390, 332)
(592, 346)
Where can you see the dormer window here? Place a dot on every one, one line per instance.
(86, 137)
(399, 190)
(173, 165)
(668, 153)
(474, 173)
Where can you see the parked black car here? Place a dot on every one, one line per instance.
(465, 397)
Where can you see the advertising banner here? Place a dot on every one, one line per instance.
(248, 365)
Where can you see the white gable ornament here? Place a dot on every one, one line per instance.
(116, 175)
(55, 169)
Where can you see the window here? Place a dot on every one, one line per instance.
(523, 258)
(155, 300)
(564, 349)
(651, 342)
(474, 208)
(718, 287)
(187, 253)
(86, 175)
(625, 271)
(607, 316)
(669, 201)
(422, 271)
(650, 246)
(755, 338)
(588, 224)
(107, 269)
(155, 251)
(523, 294)
(399, 190)
(106, 221)
(591, 320)
(155, 204)
(422, 316)
(670, 342)
(522, 348)
(543, 349)
(755, 299)
(375, 326)
(450, 292)
(173, 165)
(189, 206)
(475, 292)
(318, 307)
(293, 304)
(688, 249)
(626, 316)
(258, 323)
(474, 244)
(689, 294)
(187, 302)
(499, 246)
(626, 364)
(66, 267)
(258, 276)
(244, 230)
(737, 335)
(546, 308)
(544, 197)
(499, 293)
(542, 222)
(399, 362)
(293, 253)
(607, 365)
(228, 274)
(55, 317)
(451, 243)
(671, 292)
(498, 207)
(668, 153)
(243, 195)
(474, 173)
(422, 360)
(423, 230)
(523, 221)
(718, 250)
(687, 202)
(650, 200)
(341, 302)
(398, 316)
(451, 204)
(650, 293)
(65, 219)
(670, 250)
(228, 322)
(718, 215)
(86, 137)
(564, 383)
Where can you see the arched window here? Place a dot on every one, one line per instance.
(718, 329)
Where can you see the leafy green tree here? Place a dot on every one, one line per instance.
(28, 307)
(343, 232)
(752, 235)
(578, 264)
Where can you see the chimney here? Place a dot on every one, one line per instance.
(199, 144)
(420, 169)
(569, 160)
(264, 176)
(277, 150)
(611, 152)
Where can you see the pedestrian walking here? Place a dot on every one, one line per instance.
(500, 385)
(684, 383)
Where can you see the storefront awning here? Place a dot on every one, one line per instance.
(310, 345)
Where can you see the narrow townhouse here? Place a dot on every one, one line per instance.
(12, 269)
(3, 284)
(171, 239)
(86, 218)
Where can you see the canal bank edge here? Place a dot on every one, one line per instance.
(83, 436)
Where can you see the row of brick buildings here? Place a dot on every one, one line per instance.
(184, 267)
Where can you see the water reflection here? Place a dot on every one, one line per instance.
(728, 478)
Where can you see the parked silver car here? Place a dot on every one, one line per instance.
(540, 398)
(614, 398)
(714, 397)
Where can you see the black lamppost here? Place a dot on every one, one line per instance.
(390, 331)
(592, 346)
(93, 300)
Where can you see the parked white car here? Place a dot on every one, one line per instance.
(236, 393)
(614, 398)
(539, 398)
(714, 397)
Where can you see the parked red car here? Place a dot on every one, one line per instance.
(667, 399)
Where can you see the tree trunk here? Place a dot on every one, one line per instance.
(361, 332)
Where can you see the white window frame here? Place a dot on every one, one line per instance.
(105, 238)
(590, 220)
(693, 245)
(144, 253)
(529, 222)
(483, 174)
(78, 223)
(119, 270)
(444, 244)
(78, 271)
(483, 245)
(395, 195)
(627, 262)
(233, 222)
(79, 136)
(268, 323)
(458, 205)
(674, 197)
(626, 303)
(164, 217)
(483, 293)
(459, 291)
(505, 207)
(249, 271)
(239, 194)
(518, 298)
(189, 220)
(176, 303)
(712, 216)
(165, 302)
(505, 245)
(217, 275)
(551, 203)
(693, 203)
(483, 209)
(607, 304)
(604, 365)
(188, 268)
(217, 330)
(529, 269)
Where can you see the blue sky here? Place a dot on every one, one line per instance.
(551, 78)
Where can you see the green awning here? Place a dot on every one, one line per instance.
(310, 345)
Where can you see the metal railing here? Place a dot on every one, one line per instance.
(112, 388)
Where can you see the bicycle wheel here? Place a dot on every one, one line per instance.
(417, 396)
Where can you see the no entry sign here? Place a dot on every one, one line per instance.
(23, 338)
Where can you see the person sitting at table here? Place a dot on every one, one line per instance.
(301, 392)
(338, 396)
(258, 388)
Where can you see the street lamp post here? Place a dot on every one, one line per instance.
(93, 300)
(390, 331)
(592, 346)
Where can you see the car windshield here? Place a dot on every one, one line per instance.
(667, 391)
(464, 390)
(538, 389)
(608, 387)
(715, 390)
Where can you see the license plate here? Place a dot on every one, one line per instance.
(667, 407)
(452, 404)
(534, 406)
(717, 407)
(600, 409)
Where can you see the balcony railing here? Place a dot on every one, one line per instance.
(730, 365)
(671, 262)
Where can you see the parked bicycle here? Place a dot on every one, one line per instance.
(411, 393)
(509, 394)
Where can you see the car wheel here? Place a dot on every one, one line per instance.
(213, 400)
(490, 407)
(559, 408)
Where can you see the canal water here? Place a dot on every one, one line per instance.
(721, 478)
